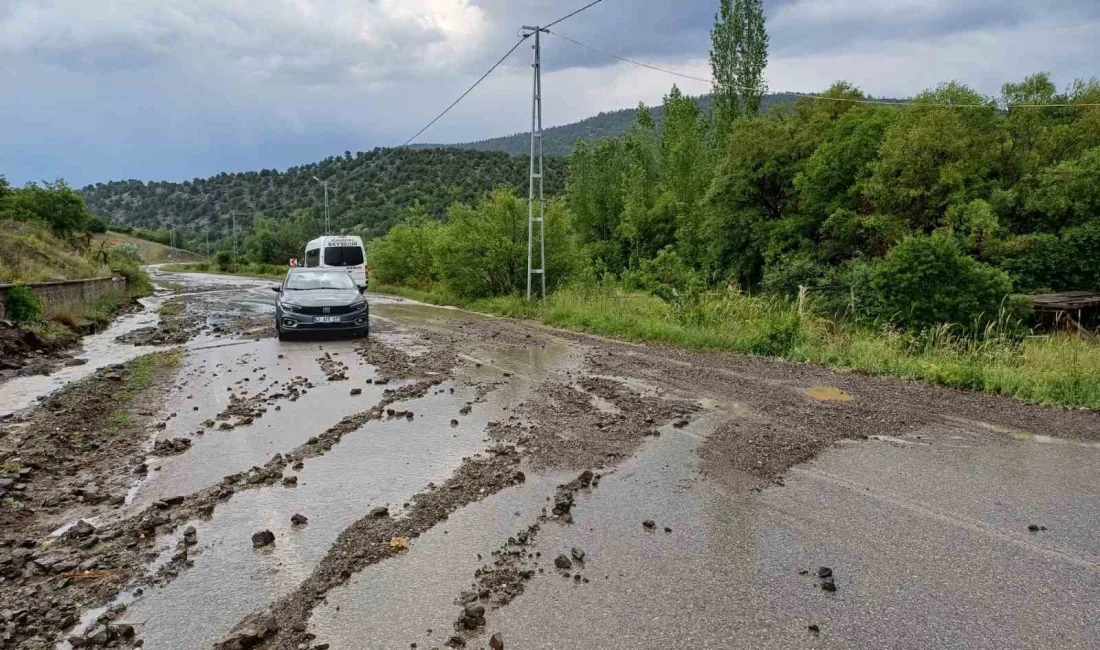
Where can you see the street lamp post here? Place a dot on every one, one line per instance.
(325, 184)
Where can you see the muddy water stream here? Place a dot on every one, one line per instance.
(384, 463)
(99, 350)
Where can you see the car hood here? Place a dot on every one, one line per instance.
(321, 297)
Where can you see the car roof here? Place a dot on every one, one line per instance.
(316, 269)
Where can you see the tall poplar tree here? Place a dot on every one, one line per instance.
(753, 55)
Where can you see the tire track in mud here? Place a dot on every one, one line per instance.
(125, 546)
(553, 430)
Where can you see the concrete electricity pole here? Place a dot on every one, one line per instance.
(535, 185)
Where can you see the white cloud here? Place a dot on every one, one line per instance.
(337, 40)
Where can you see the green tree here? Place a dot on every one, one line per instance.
(54, 203)
(835, 175)
(643, 230)
(483, 250)
(926, 280)
(595, 198)
(1068, 194)
(684, 171)
(1027, 133)
(935, 156)
(753, 188)
(753, 55)
(727, 41)
(406, 254)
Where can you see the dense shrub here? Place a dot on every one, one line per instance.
(224, 260)
(406, 255)
(21, 305)
(55, 204)
(791, 271)
(483, 250)
(926, 280)
(667, 276)
(1045, 262)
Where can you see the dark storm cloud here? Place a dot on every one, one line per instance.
(183, 88)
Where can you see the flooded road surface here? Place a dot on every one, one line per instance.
(460, 476)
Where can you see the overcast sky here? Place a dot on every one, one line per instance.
(175, 89)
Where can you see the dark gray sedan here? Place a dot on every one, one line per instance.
(320, 300)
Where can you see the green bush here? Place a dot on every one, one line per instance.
(482, 251)
(21, 305)
(1041, 262)
(789, 272)
(224, 260)
(55, 204)
(126, 252)
(666, 276)
(406, 254)
(926, 280)
(138, 280)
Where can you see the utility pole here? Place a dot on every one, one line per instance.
(325, 184)
(535, 185)
(208, 243)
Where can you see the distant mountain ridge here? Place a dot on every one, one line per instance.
(559, 140)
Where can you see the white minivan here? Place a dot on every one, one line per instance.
(339, 252)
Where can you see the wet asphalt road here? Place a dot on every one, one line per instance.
(926, 532)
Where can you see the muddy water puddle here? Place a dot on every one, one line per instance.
(385, 462)
(395, 603)
(249, 369)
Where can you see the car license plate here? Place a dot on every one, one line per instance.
(326, 319)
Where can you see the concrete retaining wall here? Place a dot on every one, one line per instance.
(70, 295)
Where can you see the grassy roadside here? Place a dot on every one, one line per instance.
(260, 271)
(1055, 370)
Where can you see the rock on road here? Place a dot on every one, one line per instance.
(477, 482)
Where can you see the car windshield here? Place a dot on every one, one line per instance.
(319, 280)
(343, 256)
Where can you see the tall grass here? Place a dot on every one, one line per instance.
(997, 358)
(31, 252)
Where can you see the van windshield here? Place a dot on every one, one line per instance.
(344, 256)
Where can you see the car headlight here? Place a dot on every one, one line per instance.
(291, 307)
(359, 305)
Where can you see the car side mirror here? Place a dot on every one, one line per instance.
(277, 289)
(362, 289)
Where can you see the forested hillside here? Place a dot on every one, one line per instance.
(368, 191)
(560, 140)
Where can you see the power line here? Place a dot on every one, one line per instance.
(626, 60)
(572, 13)
(445, 111)
(394, 150)
(884, 102)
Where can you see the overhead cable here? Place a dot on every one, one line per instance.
(393, 151)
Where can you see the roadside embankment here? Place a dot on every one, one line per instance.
(52, 317)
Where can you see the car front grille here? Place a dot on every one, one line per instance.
(336, 310)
